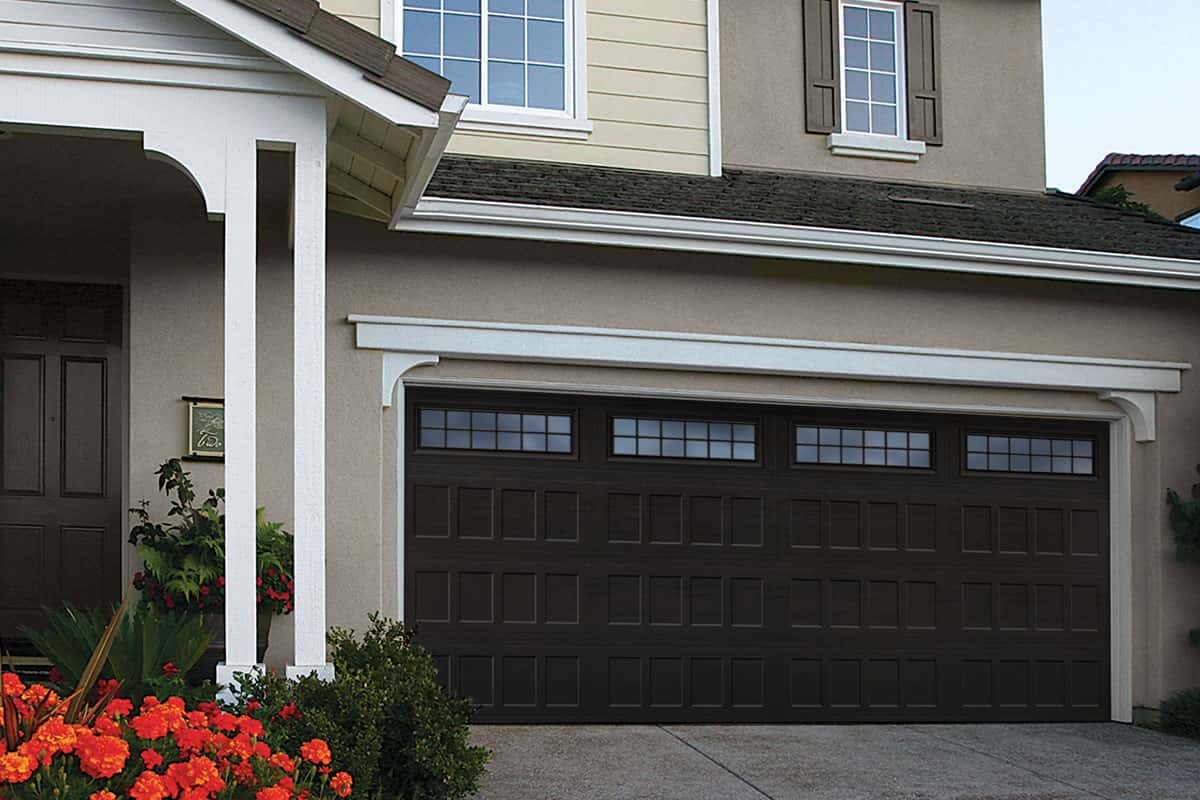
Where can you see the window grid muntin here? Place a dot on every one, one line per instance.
(895, 74)
(685, 439)
(865, 447)
(1030, 454)
(490, 430)
(567, 65)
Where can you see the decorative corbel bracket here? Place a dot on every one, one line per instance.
(1140, 408)
(396, 364)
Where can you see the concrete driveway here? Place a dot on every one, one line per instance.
(843, 762)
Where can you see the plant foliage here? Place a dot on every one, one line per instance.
(1180, 713)
(401, 733)
(184, 555)
(1120, 197)
(150, 650)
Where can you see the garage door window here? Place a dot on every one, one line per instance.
(863, 447)
(506, 431)
(676, 438)
(986, 453)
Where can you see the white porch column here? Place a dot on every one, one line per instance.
(240, 497)
(309, 400)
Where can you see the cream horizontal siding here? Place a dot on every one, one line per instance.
(363, 13)
(647, 80)
(151, 26)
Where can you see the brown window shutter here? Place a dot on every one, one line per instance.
(922, 33)
(822, 94)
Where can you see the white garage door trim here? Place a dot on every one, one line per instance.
(1131, 385)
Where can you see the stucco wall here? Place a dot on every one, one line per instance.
(175, 327)
(992, 96)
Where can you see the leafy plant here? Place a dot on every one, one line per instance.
(1185, 526)
(1120, 197)
(24, 714)
(401, 733)
(1180, 713)
(184, 555)
(150, 651)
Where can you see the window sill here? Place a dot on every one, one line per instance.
(865, 145)
(525, 123)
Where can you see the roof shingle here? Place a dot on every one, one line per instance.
(1052, 219)
(1139, 163)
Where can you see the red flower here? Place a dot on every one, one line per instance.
(119, 707)
(289, 711)
(204, 590)
(152, 786)
(315, 751)
(271, 571)
(249, 726)
(341, 784)
(149, 725)
(253, 706)
(221, 580)
(16, 767)
(55, 675)
(101, 756)
(283, 761)
(151, 759)
(170, 670)
(272, 793)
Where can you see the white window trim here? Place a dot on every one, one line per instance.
(877, 145)
(571, 123)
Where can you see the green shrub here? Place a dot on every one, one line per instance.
(151, 650)
(1180, 713)
(400, 734)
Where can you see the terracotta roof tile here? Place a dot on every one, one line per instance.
(1136, 162)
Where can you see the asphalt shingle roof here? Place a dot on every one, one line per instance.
(1052, 219)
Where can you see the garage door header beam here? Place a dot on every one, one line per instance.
(1130, 383)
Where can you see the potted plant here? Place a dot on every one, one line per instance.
(183, 560)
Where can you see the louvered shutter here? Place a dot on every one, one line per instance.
(922, 39)
(822, 95)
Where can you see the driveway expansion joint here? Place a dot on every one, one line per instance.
(705, 755)
(1041, 775)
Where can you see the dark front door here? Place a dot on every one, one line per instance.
(601, 559)
(61, 369)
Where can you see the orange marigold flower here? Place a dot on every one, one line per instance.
(272, 793)
(197, 719)
(38, 695)
(16, 767)
(250, 726)
(316, 751)
(197, 772)
(243, 772)
(119, 707)
(102, 756)
(11, 685)
(151, 759)
(262, 750)
(54, 736)
(106, 727)
(152, 786)
(149, 725)
(283, 761)
(149, 702)
(342, 784)
(239, 746)
(192, 740)
(103, 794)
(223, 721)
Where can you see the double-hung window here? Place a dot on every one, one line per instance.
(514, 59)
(872, 76)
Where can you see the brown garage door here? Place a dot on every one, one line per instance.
(606, 559)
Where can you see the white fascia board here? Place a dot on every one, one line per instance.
(735, 237)
(334, 73)
(613, 347)
(426, 154)
(713, 41)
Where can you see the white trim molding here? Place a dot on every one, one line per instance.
(769, 240)
(696, 352)
(408, 343)
(1141, 408)
(713, 33)
(869, 145)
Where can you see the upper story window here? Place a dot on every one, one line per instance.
(871, 75)
(514, 59)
